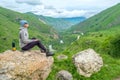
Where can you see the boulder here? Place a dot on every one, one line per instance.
(64, 75)
(28, 65)
(87, 62)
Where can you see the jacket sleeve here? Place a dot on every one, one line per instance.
(24, 38)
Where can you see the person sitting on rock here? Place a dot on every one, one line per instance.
(26, 43)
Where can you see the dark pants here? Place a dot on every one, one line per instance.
(34, 43)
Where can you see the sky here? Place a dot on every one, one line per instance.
(59, 8)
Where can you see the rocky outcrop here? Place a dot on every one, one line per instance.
(29, 65)
(87, 62)
(64, 75)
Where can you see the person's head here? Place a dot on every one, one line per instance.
(24, 23)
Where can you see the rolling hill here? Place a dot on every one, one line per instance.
(9, 28)
(56, 23)
(74, 20)
(102, 35)
(59, 24)
(104, 20)
(106, 43)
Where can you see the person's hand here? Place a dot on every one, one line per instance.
(36, 40)
(33, 38)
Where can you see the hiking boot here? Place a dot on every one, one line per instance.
(49, 54)
(42, 51)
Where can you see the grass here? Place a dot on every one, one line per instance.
(109, 71)
(9, 29)
(102, 43)
(105, 42)
(104, 20)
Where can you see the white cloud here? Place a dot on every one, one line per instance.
(52, 12)
(59, 8)
(73, 13)
(13, 5)
(78, 4)
(31, 2)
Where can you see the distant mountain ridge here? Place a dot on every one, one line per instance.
(59, 24)
(75, 20)
(104, 20)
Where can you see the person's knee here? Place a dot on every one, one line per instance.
(38, 41)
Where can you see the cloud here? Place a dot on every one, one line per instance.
(10, 4)
(52, 12)
(30, 2)
(59, 8)
(72, 8)
(67, 13)
(13, 5)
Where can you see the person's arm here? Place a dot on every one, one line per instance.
(25, 38)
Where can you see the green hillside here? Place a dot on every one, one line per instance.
(75, 20)
(104, 39)
(104, 20)
(9, 28)
(60, 24)
(57, 23)
(102, 33)
(105, 42)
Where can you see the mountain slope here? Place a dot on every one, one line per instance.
(9, 28)
(74, 20)
(104, 20)
(57, 23)
(105, 42)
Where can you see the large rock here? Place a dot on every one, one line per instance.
(30, 65)
(87, 62)
(64, 75)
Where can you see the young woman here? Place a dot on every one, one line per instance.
(26, 43)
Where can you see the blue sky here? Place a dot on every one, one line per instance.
(59, 8)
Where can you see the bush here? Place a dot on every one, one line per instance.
(115, 46)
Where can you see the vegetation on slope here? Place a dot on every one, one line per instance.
(57, 23)
(75, 20)
(106, 43)
(60, 24)
(103, 37)
(106, 19)
(9, 28)
(102, 33)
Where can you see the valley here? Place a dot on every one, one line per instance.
(69, 36)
